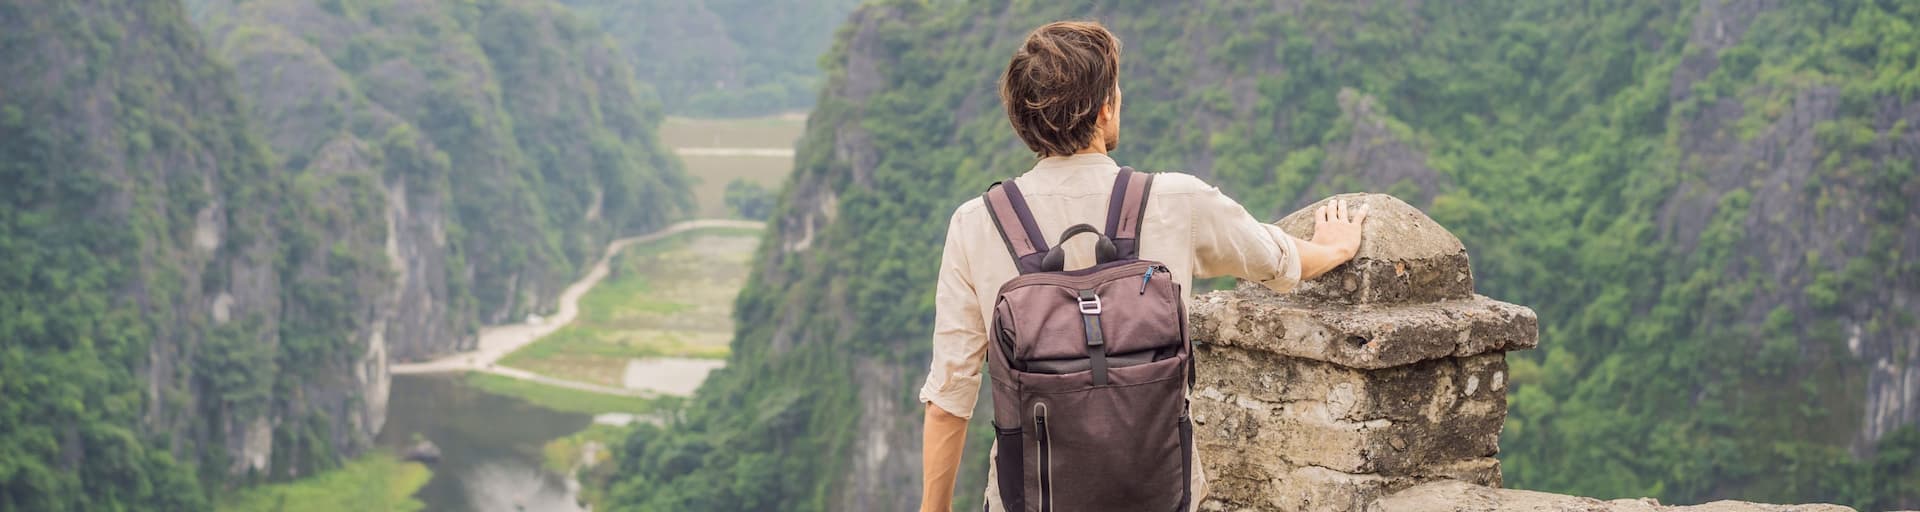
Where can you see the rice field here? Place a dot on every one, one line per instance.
(701, 144)
(669, 298)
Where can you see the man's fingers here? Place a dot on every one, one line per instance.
(1341, 210)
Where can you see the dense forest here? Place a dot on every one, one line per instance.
(724, 57)
(214, 238)
(511, 136)
(1708, 203)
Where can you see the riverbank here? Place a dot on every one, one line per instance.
(375, 482)
(565, 399)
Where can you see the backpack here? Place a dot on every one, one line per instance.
(1090, 368)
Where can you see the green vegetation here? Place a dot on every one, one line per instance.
(572, 453)
(566, 453)
(564, 399)
(749, 200)
(195, 259)
(724, 57)
(375, 482)
(1698, 272)
(515, 117)
(670, 297)
(118, 135)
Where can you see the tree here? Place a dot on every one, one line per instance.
(748, 199)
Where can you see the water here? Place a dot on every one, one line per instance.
(490, 446)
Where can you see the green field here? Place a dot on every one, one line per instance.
(375, 482)
(672, 297)
(561, 399)
(712, 173)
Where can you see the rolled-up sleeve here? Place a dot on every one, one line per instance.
(959, 330)
(1227, 241)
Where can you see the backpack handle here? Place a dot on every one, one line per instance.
(1056, 258)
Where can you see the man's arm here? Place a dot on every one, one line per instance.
(940, 447)
(1336, 237)
(953, 377)
(1228, 241)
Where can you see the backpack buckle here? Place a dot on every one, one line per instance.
(1089, 303)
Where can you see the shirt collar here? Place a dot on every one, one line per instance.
(1058, 166)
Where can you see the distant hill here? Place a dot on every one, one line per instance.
(1710, 205)
(724, 57)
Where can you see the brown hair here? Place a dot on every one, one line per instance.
(1057, 82)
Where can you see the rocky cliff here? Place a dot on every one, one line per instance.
(1706, 203)
(169, 299)
(211, 269)
(508, 138)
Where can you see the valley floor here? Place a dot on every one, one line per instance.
(497, 342)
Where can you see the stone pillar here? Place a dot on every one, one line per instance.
(1384, 373)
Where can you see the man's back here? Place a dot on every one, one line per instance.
(1064, 191)
(1188, 225)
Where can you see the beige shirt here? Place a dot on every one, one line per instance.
(1190, 226)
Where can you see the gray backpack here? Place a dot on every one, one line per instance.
(1090, 367)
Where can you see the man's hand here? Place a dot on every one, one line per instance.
(1338, 228)
(1336, 237)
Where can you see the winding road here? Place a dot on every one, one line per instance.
(499, 340)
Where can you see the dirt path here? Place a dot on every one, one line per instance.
(499, 340)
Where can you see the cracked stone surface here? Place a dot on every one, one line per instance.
(1383, 374)
(1404, 257)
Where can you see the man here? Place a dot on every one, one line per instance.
(1062, 95)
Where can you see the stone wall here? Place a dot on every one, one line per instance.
(1380, 386)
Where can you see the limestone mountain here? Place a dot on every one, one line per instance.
(214, 241)
(1708, 204)
(510, 136)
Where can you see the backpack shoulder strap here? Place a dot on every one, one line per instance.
(1127, 209)
(1015, 223)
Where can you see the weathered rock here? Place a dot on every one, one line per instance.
(1385, 373)
(1404, 257)
(1455, 496)
(1361, 337)
(422, 451)
(1297, 412)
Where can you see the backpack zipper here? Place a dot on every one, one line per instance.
(1046, 456)
(1149, 276)
(1120, 270)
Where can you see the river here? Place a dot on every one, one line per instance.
(491, 446)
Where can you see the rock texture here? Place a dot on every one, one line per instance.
(1379, 386)
(1384, 373)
